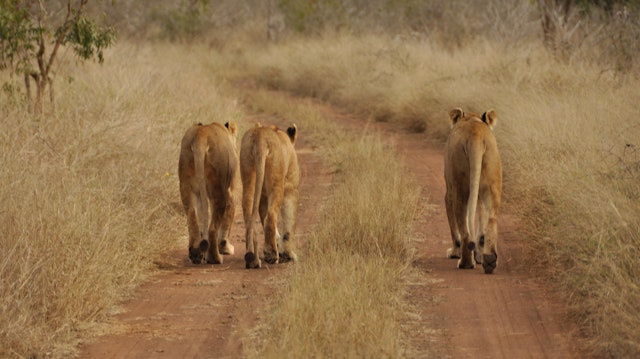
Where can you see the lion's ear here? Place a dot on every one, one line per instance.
(490, 118)
(292, 132)
(455, 115)
(231, 125)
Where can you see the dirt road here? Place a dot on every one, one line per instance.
(470, 314)
(208, 311)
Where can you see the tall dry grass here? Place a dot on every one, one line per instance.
(568, 133)
(90, 194)
(94, 203)
(345, 295)
(91, 202)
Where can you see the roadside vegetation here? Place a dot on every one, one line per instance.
(91, 203)
(568, 132)
(345, 297)
(90, 196)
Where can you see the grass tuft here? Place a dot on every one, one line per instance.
(345, 296)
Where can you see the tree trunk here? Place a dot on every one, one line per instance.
(41, 86)
(52, 95)
(27, 85)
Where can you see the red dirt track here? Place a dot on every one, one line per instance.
(209, 311)
(507, 314)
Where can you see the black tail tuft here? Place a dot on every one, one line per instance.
(292, 132)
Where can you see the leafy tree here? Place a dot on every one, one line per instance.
(32, 33)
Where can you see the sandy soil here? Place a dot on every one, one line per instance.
(467, 313)
(209, 311)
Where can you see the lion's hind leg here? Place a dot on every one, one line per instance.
(454, 251)
(490, 253)
(213, 252)
(251, 243)
(479, 237)
(467, 260)
(467, 246)
(270, 222)
(270, 250)
(188, 202)
(224, 230)
(491, 204)
(217, 206)
(289, 215)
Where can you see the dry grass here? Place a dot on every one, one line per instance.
(88, 203)
(91, 202)
(568, 133)
(90, 195)
(345, 297)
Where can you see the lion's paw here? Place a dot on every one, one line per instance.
(226, 248)
(195, 255)
(490, 262)
(252, 261)
(453, 252)
(288, 256)
(466, 264)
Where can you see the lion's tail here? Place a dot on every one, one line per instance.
(199, 148)
(476, 153)
(260, 158)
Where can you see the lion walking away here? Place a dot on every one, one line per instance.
(207, 167)
(473, 175)
(270, 180)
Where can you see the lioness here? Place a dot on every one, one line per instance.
(473, 172)
(270, 179)
(207, 168)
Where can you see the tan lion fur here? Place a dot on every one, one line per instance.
(473, 173)
(207, 171)
(270, 180)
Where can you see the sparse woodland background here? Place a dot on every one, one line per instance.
(89, 192)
